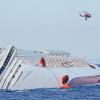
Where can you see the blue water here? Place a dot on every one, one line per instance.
(76, 93)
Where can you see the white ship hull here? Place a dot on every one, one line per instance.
(50, 77)
(16, 75)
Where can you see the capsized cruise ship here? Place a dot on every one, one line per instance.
(23, 69)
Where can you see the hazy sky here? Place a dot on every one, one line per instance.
(51, 24)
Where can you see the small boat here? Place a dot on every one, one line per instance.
(24, 69)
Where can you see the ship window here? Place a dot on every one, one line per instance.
(7, 59)
(19, 65)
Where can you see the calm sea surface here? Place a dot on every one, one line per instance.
(76, 93)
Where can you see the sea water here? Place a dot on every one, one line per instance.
(77, 93)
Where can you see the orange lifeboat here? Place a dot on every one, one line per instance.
(63, 82)
(42, 62)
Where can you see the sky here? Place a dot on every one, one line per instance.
(51, 25)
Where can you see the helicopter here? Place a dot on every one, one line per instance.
(85, 14)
